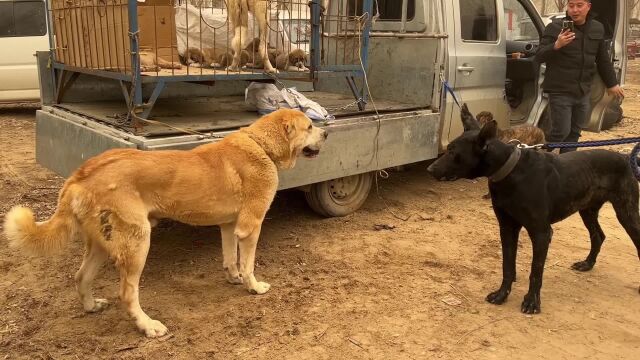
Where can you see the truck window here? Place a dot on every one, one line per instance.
(478, 20)
(390, 10)
(22, 18)
(518, 22)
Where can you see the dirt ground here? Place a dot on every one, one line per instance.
(340, 289)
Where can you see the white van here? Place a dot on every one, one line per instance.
(23, 31)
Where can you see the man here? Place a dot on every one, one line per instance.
(572, 58)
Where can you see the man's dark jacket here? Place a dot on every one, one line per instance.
(571, 68)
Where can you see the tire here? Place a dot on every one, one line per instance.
(612, 116)
(545, 123)
(339, 197)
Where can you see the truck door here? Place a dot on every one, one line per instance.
(613, 15)
(477, 61)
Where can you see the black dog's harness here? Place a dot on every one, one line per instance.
(507, 167)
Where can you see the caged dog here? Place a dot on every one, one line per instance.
(525, 134)
(206, 57)
(295, 60)
(149, 62)
(534, 189)
(112, 201)
(239, 19)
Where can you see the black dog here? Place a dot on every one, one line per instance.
(534, 189)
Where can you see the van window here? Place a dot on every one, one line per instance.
(390, 10)
(22, 18)
(478, 20)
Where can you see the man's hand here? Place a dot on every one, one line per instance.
(565, 38)
(616, 91)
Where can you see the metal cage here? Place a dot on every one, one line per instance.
(154, 42)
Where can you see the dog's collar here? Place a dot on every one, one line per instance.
(507, 167)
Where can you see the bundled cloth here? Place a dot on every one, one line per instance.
(208, 28)
(267, 98)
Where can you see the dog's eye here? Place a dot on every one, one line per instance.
(310, 127)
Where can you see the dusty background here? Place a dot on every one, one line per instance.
(340, 289)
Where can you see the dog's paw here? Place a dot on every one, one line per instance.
(153, 328)
(234, 280)
(233, 68)
(582, 266)
(498, 297)
(260, 288)
(531, 304)
(98, 305)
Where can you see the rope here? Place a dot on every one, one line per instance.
(633, 158)
(595, 143)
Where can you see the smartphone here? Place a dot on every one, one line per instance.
(568, 25)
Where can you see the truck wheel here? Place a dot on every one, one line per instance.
(612, 116)
(545, 123)
(339, 197)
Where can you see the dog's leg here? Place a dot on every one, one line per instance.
(540, 238)
(230, 254)
(94, 258)
(590, 219)
(262, 17)
(239, 16)
(509, 233)
(247, 262)
(131, 261)
(626, 208)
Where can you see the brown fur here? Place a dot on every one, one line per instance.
(206, 57)
(293, 61)
(112, 201)
(526, 134)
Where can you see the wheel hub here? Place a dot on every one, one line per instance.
(343, 187)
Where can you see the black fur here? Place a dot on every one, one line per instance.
(543, 189)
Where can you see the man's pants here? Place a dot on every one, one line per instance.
(569, 115)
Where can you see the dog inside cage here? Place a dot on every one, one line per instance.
(184, 37)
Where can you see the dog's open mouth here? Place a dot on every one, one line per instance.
(309, 152)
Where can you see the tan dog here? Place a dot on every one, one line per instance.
(239, 19)
(150, 62)
(112, 201)
(526, 134)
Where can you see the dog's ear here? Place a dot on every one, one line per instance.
(468, 121)
(289, 124)
(488, 131)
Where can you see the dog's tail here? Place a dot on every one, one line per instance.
(42, 238)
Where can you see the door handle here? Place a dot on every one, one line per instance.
(466, 67)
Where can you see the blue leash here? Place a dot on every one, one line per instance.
(450, 91)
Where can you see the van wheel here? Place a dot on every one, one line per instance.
(339, 197)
